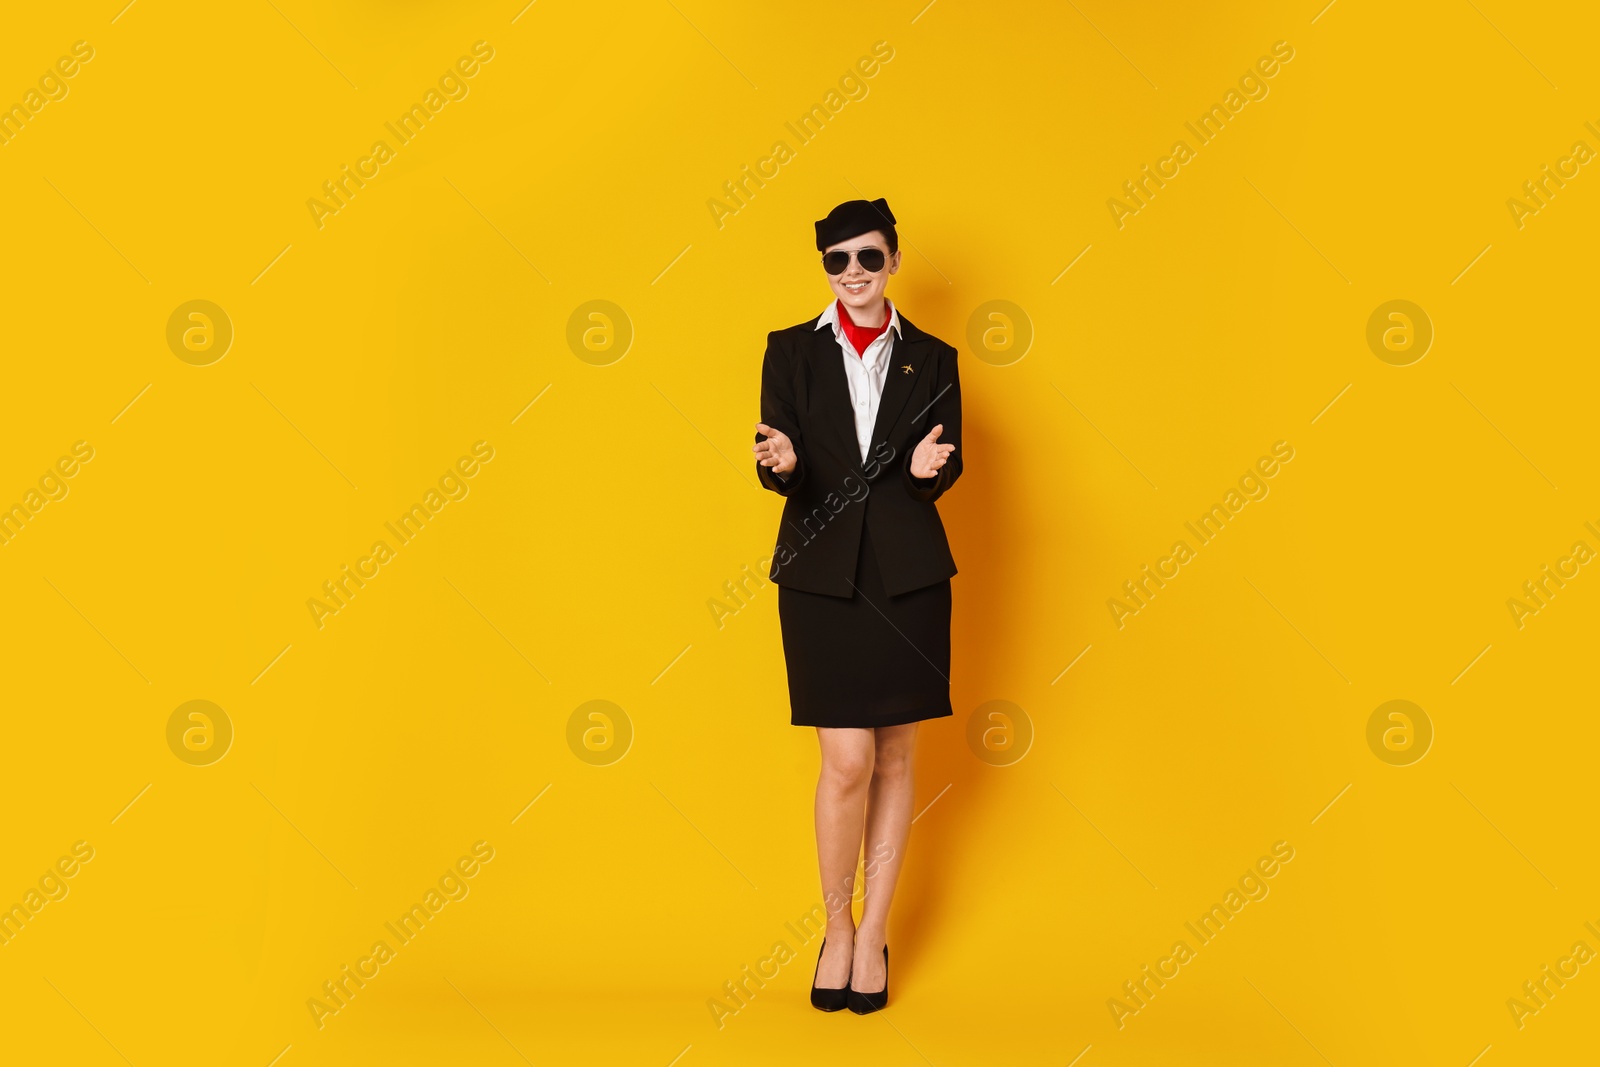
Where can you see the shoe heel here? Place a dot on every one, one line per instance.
(865, 1003)
(827, 999)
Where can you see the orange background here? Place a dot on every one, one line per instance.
(432, 710)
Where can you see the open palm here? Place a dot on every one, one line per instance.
(777, 451)
(930, 455)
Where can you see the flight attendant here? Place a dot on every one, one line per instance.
(860, 433)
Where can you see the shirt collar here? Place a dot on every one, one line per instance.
(830, 317)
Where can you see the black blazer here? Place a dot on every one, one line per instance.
(831, 496)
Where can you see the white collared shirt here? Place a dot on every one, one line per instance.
(865, 373)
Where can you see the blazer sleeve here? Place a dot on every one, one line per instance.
(946, 410)
(778, 411)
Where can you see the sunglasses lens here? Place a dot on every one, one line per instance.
(871, 260)
(836, 262)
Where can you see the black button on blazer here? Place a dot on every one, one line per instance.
(832, 498)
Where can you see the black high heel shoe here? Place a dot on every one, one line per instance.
(827, 999)
(864, 1003)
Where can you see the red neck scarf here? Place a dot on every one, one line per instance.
(861, 336)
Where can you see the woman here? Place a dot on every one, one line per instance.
(860, 433)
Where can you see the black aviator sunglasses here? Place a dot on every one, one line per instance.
(838, 261)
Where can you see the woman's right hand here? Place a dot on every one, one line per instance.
(777, 451)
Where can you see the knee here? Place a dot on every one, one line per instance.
(893, 766)
(848, 770)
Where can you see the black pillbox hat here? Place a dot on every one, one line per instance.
(854, 218)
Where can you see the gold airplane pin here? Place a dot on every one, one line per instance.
(905, 368)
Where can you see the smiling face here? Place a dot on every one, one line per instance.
(861, 290)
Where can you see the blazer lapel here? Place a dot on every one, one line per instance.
(834, 392)
(910, 350)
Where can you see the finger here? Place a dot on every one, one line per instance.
(933, 434)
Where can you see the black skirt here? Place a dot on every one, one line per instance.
(869, 659)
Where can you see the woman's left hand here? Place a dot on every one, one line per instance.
(930, 455)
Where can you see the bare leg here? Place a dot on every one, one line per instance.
(889, 804)
(847, 758)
